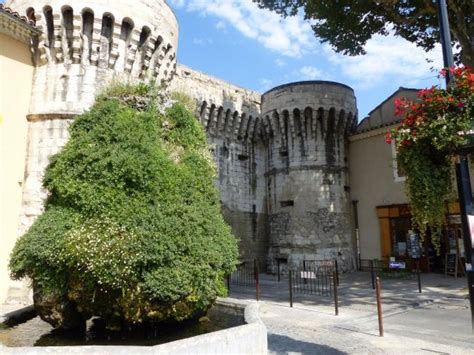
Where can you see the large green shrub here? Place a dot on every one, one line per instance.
(132, 230)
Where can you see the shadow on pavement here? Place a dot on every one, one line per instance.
(281, 344)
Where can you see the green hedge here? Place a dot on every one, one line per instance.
(132, 229)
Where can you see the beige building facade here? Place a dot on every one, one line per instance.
(382, 212)
(383, 185)
(16, 74)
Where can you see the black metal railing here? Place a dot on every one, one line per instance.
(326, 266)
(319, 280)
(245, 275)
(383, 270)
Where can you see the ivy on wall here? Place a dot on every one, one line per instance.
(433, 130)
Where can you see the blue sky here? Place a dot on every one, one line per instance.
(256, 49)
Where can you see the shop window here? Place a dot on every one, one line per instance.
(400, 227)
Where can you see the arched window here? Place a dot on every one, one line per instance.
(30, 14)
(144, 35)
(48, 15)
(107, 28)
(126, 30)
(87, 30)
(67, 21)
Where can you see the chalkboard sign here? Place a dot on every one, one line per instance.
(413, 246)
(451, 265)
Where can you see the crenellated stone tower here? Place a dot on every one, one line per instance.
(306, 127)
(84, 46)
(281, 157)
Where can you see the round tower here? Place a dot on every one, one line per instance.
(306, 125)
(84, 46)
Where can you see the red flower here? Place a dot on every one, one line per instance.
(425, 92)
(461, 104)
(400, 106)
(388, 138)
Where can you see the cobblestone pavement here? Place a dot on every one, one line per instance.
(437, 321)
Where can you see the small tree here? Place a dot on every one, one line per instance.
(132, 230)
(432, 131)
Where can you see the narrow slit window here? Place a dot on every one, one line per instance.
(287, 203)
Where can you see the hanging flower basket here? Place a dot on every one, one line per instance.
(434, 129)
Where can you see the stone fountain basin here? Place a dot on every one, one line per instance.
(250, 338)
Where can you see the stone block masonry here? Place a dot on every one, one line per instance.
(230, 116)
(306, 127)
(281, 157)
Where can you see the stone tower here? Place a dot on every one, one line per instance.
(84, 46)
(306, 127)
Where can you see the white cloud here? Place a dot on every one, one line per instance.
(266, 84)
(290, 37)
(202, 42)
(220, 25)
(388, 58)
(280, 62)
(311, 73)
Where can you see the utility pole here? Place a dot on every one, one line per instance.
(462, 166)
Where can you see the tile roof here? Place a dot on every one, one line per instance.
(16, 15)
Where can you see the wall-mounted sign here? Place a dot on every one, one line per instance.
(398, 265)
(413, 245)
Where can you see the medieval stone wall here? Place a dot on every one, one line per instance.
(45, 138)
(230, 116)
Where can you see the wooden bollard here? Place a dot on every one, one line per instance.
(379, 305)
(257, 285)
(418, 275)
(278, 269)
(372, 274)
(336, 301)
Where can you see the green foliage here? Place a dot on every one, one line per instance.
(132, 226)
(348, 25)
(432, 132)
(185, 100)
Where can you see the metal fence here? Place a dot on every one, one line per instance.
(322, 266)
(383, 270)
(245, 275)
(318, 280)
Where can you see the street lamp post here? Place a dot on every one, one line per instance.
(462, 167)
